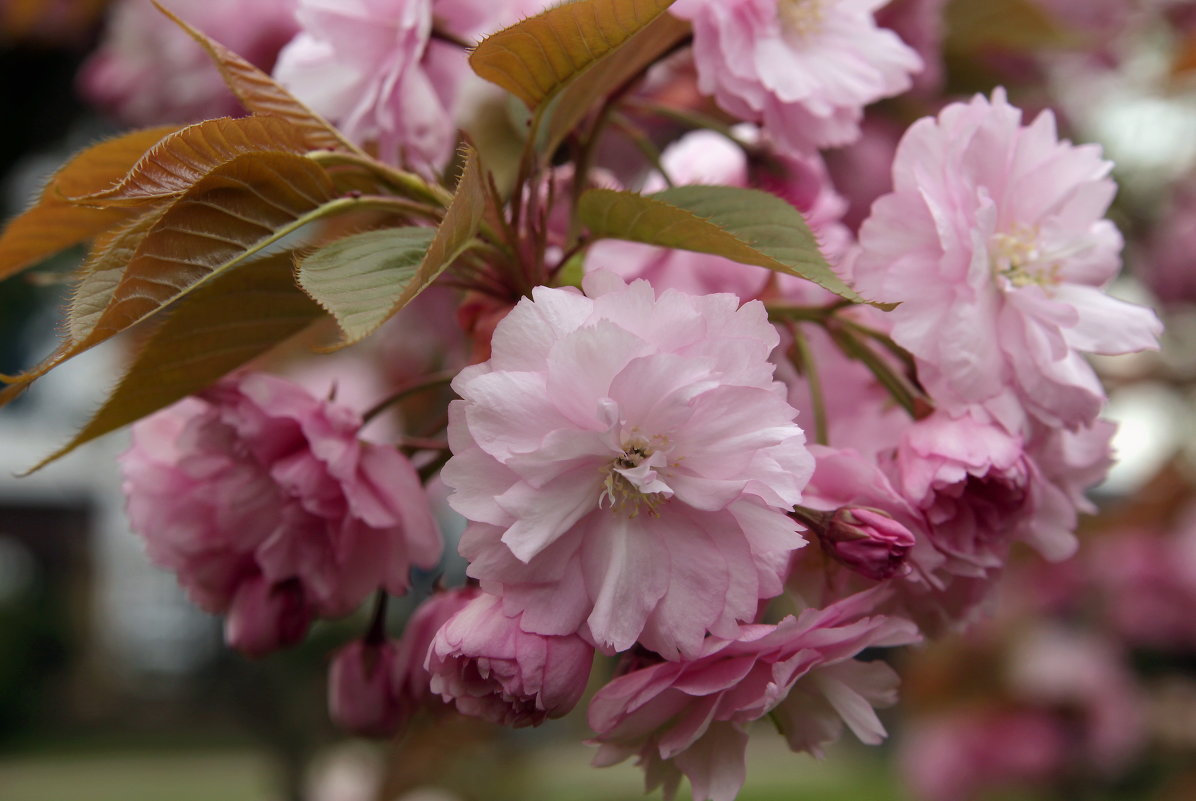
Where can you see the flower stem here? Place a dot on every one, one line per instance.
(803, 360)
(427, 382)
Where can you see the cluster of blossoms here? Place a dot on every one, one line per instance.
(732, 481)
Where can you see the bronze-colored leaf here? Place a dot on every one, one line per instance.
(261, 94)
(534, 59)
(173, 165)
(236, 211)
(609, 73)
(54, 223)
(233, 319)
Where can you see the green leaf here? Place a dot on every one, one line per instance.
(608, 74)
(534, 59)
(234, 212)
(54, 223)
(261, 94)
(358, 278)
(225, 324)
(744, 225)
(365, 279)
(173, 165)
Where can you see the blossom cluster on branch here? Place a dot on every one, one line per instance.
(715, 414)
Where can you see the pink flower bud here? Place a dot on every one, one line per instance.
(490, 668)
(265, 617)
(868, 541)
(362, 695)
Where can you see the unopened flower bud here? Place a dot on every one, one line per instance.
(265, 617)
(868, 541)
(362, 696)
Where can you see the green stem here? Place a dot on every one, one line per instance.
(885, 341)
(406, 182)
(690, 119)
(780, 312)
(809, 369)
(643, 144)
(425, 383)
(851, 345)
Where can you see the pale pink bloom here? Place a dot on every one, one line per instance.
(362, 695)
(980, 490)
(486, 665)
(690, 717)
(148, 71)
(929, 593)
(627, 462)
(920, 25)
(257, 480)
(962, 756)
(995, 244)
(374, 68)
(805, 69)
(709, 158)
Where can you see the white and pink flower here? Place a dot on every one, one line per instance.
(627, 463)
(690, 717)
(148, 71)
(804, 69)
(266, 505)
(994, 242)
(374, 68)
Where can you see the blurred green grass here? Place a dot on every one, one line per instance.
(553, 773)
(217, 776)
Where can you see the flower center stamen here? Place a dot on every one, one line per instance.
(801, 18)
(623, 488)
(1018, 259)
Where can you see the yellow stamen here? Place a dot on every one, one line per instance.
(801, 18)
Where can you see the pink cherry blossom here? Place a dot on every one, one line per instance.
(627, 462)
(148, 71)
(690, 717)
(980, 490)
(374, 68)
(995, 244)
(257, 483)
(485, 664)
(920, 25)
(936, 598)
(805, 69)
